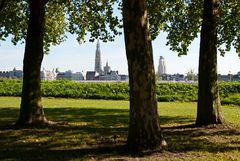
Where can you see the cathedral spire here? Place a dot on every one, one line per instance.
(98, 62)
(98, 45)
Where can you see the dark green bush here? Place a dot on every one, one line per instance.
(10, 87)
(232, 99)
(176, 92)
(166, 92)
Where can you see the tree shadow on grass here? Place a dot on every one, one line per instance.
(212, 139)
(87, 153)
(91, 116)
(101, 133)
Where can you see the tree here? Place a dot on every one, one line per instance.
(144, 128)
(46, 26)
(208, 111)
(219, 24)
(2, 4)
(31, 111)
(190, 75)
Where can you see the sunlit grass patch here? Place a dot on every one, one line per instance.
(97, 130)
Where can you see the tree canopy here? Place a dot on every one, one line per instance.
(14, 17)
(95, 18)
(181, 19)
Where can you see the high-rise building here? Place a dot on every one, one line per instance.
(98, 62)
(162, 66)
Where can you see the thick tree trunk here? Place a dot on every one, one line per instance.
(2, 4)
(31, 111)
(208, 111)
(144, 128)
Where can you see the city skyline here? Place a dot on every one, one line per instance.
(72, 56)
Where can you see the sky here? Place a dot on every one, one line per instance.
(80, 57)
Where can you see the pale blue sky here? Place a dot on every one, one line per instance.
(72, 56)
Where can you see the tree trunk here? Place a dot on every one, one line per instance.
(2, 4)
(31, 110)
(144, 129)
(208, 111)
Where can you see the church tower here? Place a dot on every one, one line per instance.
(162, 66)
(98, 62)
(107, 69)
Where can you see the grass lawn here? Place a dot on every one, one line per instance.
(97, 130)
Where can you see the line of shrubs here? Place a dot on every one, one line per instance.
(166, 92)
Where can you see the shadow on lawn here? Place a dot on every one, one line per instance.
(103, 117)
(101, 133)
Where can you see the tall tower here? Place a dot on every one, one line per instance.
(107, 69)
(162, 66)
(98, 62)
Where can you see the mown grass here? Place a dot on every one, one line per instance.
(97, 130)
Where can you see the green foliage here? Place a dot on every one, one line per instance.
(95, 18)
(13, 20)
(10, 87)
(166, 92)
(181, 19)
(70, 89)
(232, 99)
(227, 89)
(229, 29)
(55, 25)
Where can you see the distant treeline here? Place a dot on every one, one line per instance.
(166, 92)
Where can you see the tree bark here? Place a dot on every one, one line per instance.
(208, 110)
(2, 4)
(31, 110)
(144, 129)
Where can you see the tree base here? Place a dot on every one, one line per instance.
(134, 148)
(39, 123)
(209, 124)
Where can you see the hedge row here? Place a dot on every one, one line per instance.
(118, 91)
(70, 89)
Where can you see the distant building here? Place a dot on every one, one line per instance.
(106, 73)
(78, 76)
(223, 77)
(124, 77)
(178, 77)
(112, 75)
(63, 76)
(4, 74)
(91, 75)
(69, 75)
(14, 74)
(172, 77)
(229, 77)
(236, 77)
(48, 75)
(98, 62)
(107, 69)
(162, 66)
